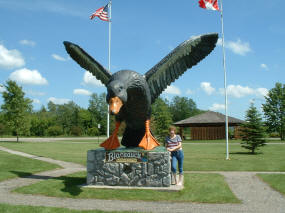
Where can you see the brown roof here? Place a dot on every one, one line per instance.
(209, 118)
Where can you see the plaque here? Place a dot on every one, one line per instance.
(125, 157)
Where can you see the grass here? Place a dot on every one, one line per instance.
(211, 157)
(202, 188)
(6, 208)
(237, 141)
(198, 157)
(70, 152)
(16, 166)
(276, 181)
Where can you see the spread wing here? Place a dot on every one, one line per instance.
(87, 62)
(183, 57)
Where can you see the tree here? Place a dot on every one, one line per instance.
(99, 109)
(16, 108)
(252, 131)
(54, 130)
(3, 126)
(182, 108)
(274, 110)
(161, 118)
(67, 116)
(52, 107)
(39, 126)
(84, 120)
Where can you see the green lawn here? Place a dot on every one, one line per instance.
(16, 166)
(202, 188)
(276, 181)
(211, 157)
(198, 157)
(6, 208)
(71, 152)
(223, 141)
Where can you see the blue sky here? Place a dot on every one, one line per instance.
(143, 32)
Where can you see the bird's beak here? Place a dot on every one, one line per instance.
(115, 105)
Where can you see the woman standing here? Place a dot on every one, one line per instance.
(174, 146)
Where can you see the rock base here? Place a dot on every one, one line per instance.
(129, 167)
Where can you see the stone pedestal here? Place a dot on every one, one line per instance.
(129, 167)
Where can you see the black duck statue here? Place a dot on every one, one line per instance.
(130, 94)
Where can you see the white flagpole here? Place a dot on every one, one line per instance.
(109, 64)
(225, 84)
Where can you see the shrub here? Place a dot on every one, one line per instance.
(2, 129)
(75, 131)
(54, 131)
(93, 131)
(274, 135)
(38, 127)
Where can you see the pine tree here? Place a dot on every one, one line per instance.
(16, 108)
(252, 131)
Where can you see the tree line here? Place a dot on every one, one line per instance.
(17, 117)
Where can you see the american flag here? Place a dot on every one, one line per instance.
(102, 13)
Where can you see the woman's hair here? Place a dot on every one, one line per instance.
(172, 128)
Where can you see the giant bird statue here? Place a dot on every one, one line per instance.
(130, 94)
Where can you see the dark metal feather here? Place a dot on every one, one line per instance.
(183, 57)
(87, 62)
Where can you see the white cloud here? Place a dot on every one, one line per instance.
(34, 93)
(261, 92)
(26, 76)
(239, 91)
(58, 57)
(251, 101)
(172, 90)
(217, 107)
(238, 47)
(27, 43)
(2, 89)
(59, 100)
(219, 42)
(189, 92)
(10, 59)
(206, 86)
(81, 92)
(264, 66)
(36, 101)
(89, 79)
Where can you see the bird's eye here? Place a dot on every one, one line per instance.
(120, 88)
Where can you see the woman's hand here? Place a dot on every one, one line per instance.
(175, 148)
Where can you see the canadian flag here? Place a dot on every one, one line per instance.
(209, 4)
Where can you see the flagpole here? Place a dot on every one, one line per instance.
(225, 84)
(109, 62)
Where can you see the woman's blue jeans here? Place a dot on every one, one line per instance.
(177, 156)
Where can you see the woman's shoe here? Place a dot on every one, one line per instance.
(173, 179)
(180, 180)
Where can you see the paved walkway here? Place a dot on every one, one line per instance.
(256, 196)
(41, 139)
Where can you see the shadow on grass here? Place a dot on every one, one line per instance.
(70, 183)
(246, 153)
(12, 142)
